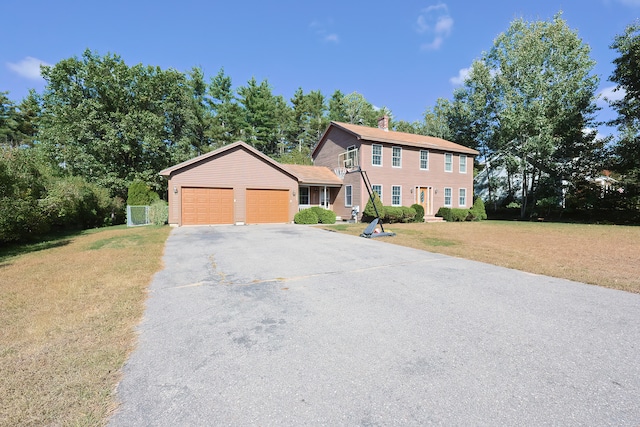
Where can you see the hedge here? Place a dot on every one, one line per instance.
(306, 216)
(475, 213)
(419, 212)
(325, 216)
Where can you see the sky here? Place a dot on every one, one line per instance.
(403, 55)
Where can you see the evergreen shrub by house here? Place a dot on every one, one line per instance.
(325, 216)
(476, 213)
(306, 216)
(419, 212)
(369, 212)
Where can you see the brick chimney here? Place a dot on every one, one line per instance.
(383, 123)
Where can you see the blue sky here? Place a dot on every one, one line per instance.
(399, 54)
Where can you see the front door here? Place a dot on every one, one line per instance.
(425, 199)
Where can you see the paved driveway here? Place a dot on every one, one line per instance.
(293, 325)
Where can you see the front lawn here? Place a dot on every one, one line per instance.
(604, 255)
(68, 310)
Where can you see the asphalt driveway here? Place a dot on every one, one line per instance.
(293, 325)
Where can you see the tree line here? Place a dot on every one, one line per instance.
(528, 106)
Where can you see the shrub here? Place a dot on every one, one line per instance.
(453, 214)
(306, 216)
(325, 216)
(392, 214)
(159, 212)
(477, 211)
(369, 212)
(419, 212)
(140, 194)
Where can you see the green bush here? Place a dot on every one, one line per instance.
(306, 216)
(140, 194)
(392, 214)
(419, 212)
(408, 214)
(159, 212)
(325, 216)
(457, 214)
(477, 211)
(369, 212)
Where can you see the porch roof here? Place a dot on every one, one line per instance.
(314, 175)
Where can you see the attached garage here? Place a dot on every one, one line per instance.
(204, 206)
(235, 184)
(267, 206)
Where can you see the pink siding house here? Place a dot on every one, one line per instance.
(237, 184)
(402, 168)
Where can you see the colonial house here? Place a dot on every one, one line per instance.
(237, 184)
(402, 168)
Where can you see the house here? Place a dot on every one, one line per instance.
(402, 168)
(237, 184)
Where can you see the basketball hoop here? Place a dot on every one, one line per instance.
(340, 172)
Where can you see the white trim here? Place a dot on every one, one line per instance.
(444, 194)
(460, 157)
(400, 195)
(300, 195)
(460, 190)
(381, 150)
(380, 193)
(350, 188)
(393, 157)
(420, 160)
(445, 162)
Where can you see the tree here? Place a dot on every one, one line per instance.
(228, 116)
(337, 110)
(626, 74)
(359, 111)
(111, 123)
(309, 118)
(260, 111)
(531, 97)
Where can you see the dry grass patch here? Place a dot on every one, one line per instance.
(68, 312)
(605, 255)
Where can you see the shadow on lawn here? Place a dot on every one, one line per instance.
(16, 249)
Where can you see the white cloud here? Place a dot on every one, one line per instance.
(608, 94)
(463, 74)
(436, 23)
(332, 38)
(322, 31)
(29, 67)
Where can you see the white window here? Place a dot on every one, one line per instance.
(348, 201)
(396, 195)
(462, 197)
(463, 163)
(304, 195)
(448, 162)
(396, 157)
(376, 155)
(447, 197)
(424, 160)
(377, 188)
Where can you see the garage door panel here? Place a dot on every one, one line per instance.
(267, 206)
(204, 206)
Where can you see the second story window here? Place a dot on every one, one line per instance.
(376, 155)
(448, 162)
(424, 160)
(396, 157)
(463, 163)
